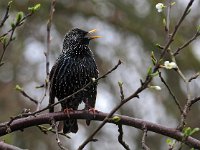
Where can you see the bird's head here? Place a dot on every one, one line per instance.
(76, 38)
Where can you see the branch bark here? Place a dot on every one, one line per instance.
(23, 123)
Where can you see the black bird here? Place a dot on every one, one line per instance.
(74, 68)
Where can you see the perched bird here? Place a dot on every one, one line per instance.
(74, 68)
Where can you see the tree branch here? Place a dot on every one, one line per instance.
(120, 137)
(177, 26)
(18, 88)
(124, 120)
(187, 43)
(6, 42)
(193, 101)
(6, 15)
(144, 146)
(170, 91)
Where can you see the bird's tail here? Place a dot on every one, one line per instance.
(70, 125)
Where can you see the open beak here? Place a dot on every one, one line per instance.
(93, 37)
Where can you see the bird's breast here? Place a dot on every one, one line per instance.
(73, 74)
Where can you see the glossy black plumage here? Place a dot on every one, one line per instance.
(74, 68)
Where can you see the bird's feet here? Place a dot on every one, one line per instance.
(67, 111)
(93, 110)
(90, 109)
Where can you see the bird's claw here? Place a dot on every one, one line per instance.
(93, 110)
(67, 111)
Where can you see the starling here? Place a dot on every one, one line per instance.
(74, 68)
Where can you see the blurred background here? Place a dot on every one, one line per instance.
(130, 30)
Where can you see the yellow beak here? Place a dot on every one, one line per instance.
(92, 31)
(93, 37)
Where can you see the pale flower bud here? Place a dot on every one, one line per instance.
(158, 88)
(160, 7)
(170, 65)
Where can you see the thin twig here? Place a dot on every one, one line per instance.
(5, 45)
(45, 130)
(121, 90)
(167, 28)
(6, 15)
(193, 101)
(186, 44)
(11, 31)
(55, 126)
(171, 39)
(52, 10)
(171, 93)
(189, 102)
(186, 109)
(27, 96)
(196, 75)
(120, 137)
(144, 146)
(46, 53)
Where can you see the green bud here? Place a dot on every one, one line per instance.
(19, 16)
(116, 118)
(30, 9)
(18, 88)
(173, 3)
(149, 70)
(164, 22)
(152, 54)
(159, 46)
(194, 131)
(153, 58)
(34, 8)
(187, 131)
(3, 39)
(120, 83)
(9, 3)
(154, 74)
(169, 141)
(160, 61)
(37, 7)
(12, 24)
(198, 28)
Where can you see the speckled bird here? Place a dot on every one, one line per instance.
(74, 68)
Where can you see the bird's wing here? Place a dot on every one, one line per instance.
(53, 70)
(51, 89)
(93, 89)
